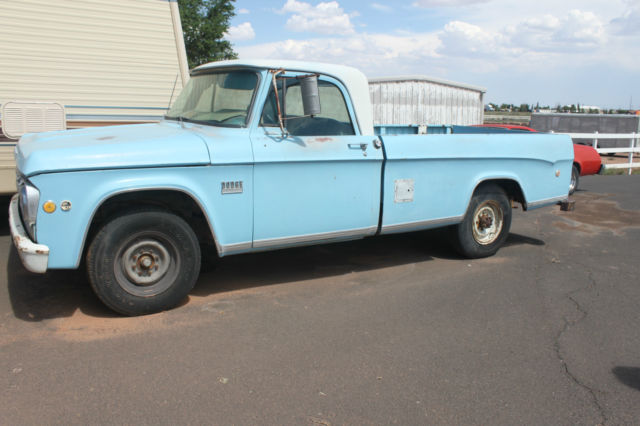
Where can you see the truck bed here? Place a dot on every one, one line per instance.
(439, 173)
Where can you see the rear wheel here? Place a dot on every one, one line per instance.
(486, 224)
(143, 262)
(575, 179)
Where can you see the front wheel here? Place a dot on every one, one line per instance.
(143, 262)
(486, 224)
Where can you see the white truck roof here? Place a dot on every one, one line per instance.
(354, 80)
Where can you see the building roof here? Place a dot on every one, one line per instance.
(406, 78)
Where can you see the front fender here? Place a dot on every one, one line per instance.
(65, 232)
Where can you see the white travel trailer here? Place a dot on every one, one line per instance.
(69, 64)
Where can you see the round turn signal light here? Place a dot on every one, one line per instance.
(49, 207)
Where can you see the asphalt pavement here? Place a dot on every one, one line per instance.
(389, 330)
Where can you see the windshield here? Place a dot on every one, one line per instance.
(217, 98)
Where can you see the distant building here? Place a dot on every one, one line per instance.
(423, 100)
(587, 108)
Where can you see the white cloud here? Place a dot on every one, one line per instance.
(467, 40)
(629, 23)
(529, 49)
(240, 32)
(371, 53)
(381, 7)
(582, 28)
(447, 3)
(528, 43)
(578, 30)
(324, 18)
(243, 11)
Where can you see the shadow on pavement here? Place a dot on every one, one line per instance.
(59, 294)
(56, 294)
(4, 214)
(516, 240)
(629, 376)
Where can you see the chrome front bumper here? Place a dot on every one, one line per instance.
(34, 257)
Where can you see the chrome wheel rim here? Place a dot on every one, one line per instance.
(572, 184)
(488, 220)
(146, 265)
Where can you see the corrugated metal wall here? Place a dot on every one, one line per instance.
(425, 101)
(113, 58)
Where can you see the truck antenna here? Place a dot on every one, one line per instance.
(172, 90)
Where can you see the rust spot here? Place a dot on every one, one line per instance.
(41, 252)
(594, 213)
(324, 139)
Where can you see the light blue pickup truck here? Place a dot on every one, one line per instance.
(261, 155)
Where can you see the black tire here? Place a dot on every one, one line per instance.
(486, 224)
(575, 179)
(208, 258)
(143, 262)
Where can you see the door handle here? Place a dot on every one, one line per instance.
(362, 146)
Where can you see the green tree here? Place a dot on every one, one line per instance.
(204, 23)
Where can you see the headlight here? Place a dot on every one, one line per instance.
(29, 199)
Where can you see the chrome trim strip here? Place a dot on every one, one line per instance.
(299, 239)
(424, 224)
(546, 202)
(233, 248)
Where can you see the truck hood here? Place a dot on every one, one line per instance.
(140, 145)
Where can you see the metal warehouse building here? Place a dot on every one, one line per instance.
(425, 100)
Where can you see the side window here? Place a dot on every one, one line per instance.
(333, 120)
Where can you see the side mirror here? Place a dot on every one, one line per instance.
(310, 95)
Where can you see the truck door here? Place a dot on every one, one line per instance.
(319, 181)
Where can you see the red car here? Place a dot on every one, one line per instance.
(586, 160)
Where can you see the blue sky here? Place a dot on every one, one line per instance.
(547, 51)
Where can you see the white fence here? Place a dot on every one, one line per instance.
(634, 147)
